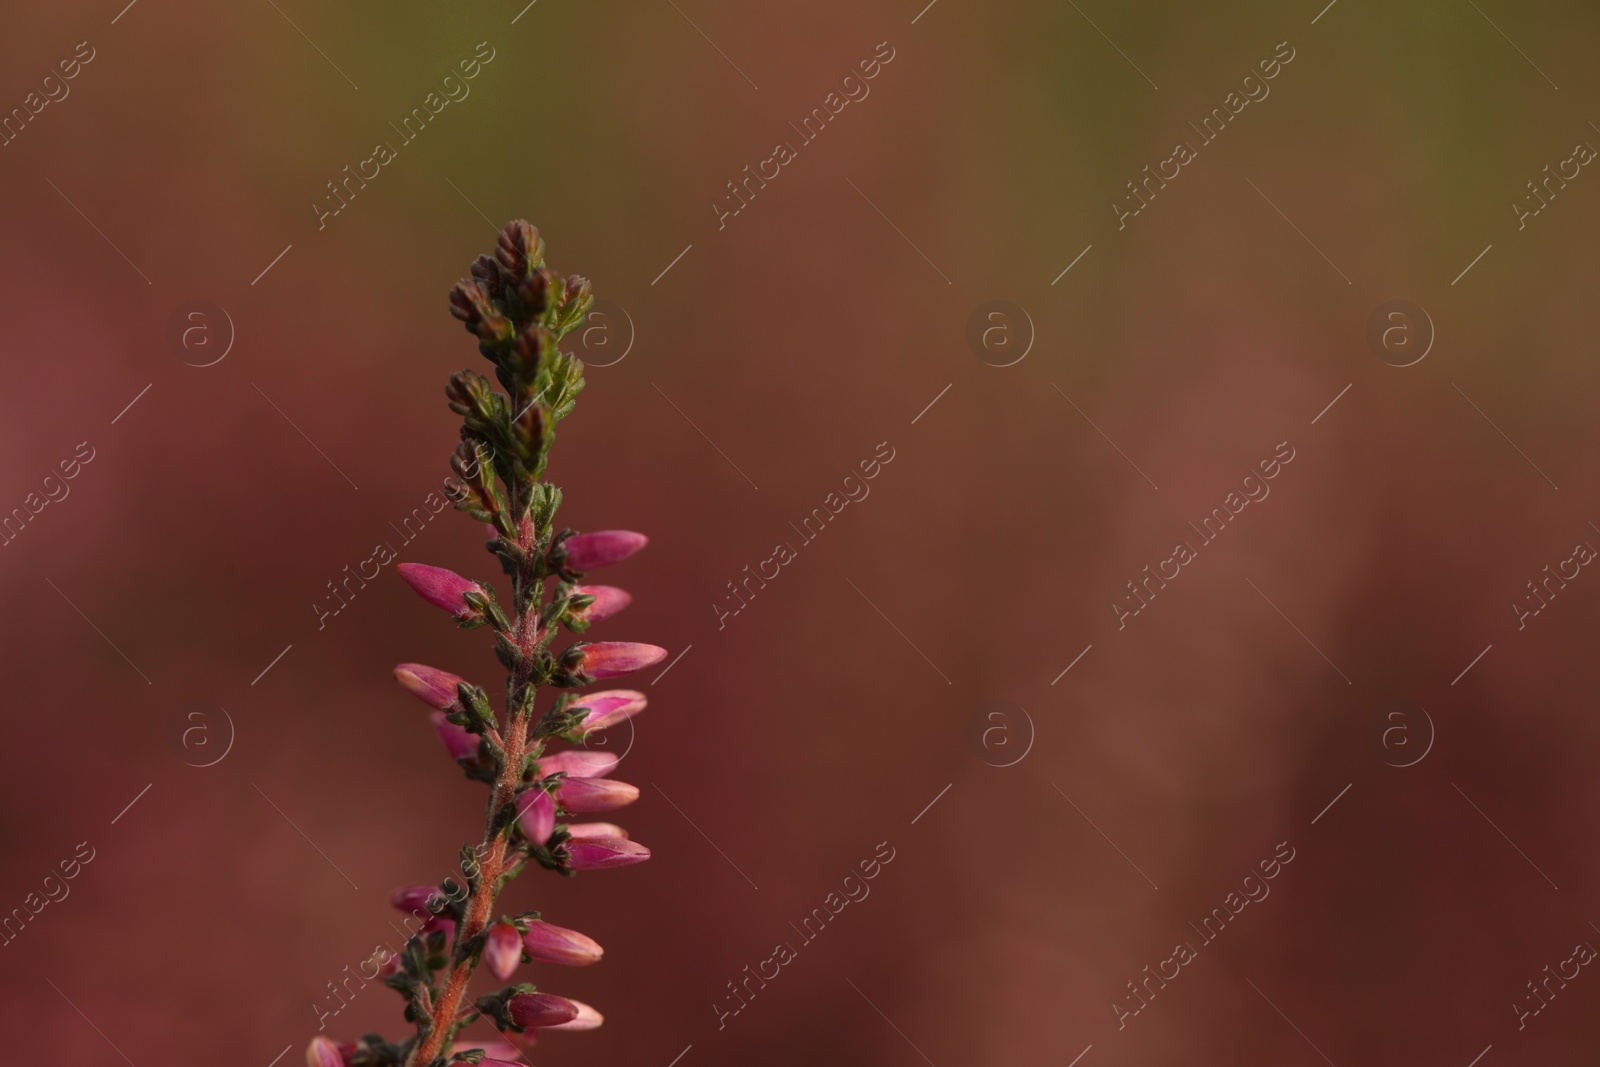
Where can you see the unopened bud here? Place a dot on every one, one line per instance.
(578, 763)
(580, 795)
(533, 1010)
(608, 708)
(502, 950)
(588, 831)
(433, 687)
(536, 815)
(323, 1052)
(609, 659)
(549, 943)
(457, 740)
(586, 551)
(608, 600)
(442, 588)
(604, 853)
(587, 1019)
(520, 248)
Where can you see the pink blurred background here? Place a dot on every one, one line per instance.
(843, 708)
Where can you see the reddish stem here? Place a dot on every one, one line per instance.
(492, 864)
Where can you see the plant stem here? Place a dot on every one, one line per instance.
(528, 595)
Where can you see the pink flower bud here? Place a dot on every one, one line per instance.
(577, 763)
(588, 1019)
(433, 687)
(442, 588)
(608, 600)
(602, 548)
(580, 795)
(502, 950)
(536, 815)
(608, 708)
(549, 943)
(414, 899)
(588, 831)
(608, 659)
(531, 1010)
(457, 741)
(385, 962)
(327, 1053)
(603, 853)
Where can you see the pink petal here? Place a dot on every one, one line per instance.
(433, 687)
(601, 548)
(604, 853)
(581, 795)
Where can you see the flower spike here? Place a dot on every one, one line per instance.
(519, 310)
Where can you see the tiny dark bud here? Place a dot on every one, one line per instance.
(468, 302)
(487, 270)
(520, 248)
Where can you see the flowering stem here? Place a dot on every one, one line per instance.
(519, 310)
(526, 635)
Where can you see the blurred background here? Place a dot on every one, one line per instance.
(943, 673)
